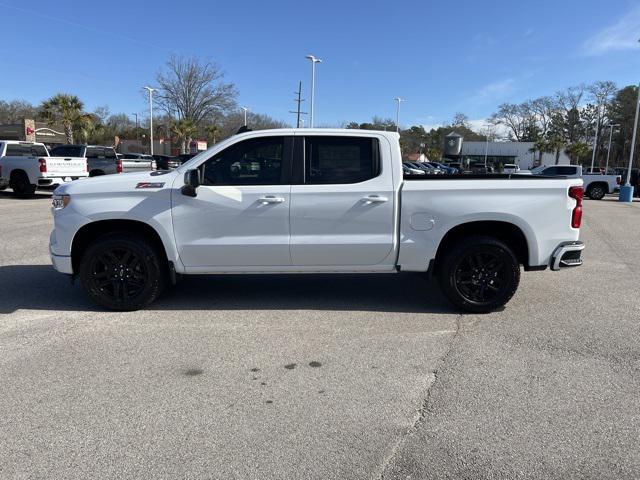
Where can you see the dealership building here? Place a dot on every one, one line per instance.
(499, 153)
(520, 153)
(31, 131)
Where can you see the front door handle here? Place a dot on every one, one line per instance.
(271, 199)
(375, 199)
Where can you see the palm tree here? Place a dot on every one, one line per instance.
(184, 130)
(556, 144)
(67, 110)
(212, 131)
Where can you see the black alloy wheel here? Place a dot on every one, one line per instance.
(122, 271)
(478, 274)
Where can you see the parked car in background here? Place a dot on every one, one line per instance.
(425, 167)
(185, 157)
(166, 162)
(409, 170)
(445, 168)
(596, 186)
(510, 168)
(249, 205)
(25, 166)
(100, 160)
(481, 168)
(137, 162)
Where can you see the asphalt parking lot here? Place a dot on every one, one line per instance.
(327, 377)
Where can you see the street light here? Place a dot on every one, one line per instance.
(245, 114)
(137, 132)
(595, 139)
(486, 144)
(313, 60)
(626, 190)
(611, 125)
(398, 100)
(150, 90)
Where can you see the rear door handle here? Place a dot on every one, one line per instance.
(375, 199)
(271, 199)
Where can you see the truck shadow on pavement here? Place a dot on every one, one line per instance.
(39, 287)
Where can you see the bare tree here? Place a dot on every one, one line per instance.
(569, 102)
(16, 110)
(515, 117)
(543, 109)
(191, 90)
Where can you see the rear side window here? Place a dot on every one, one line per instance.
(17, 150)
(335, 160)
(95, 152)
(66, 151)
(565, 170)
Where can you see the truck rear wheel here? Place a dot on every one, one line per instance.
(21, 186)
(123, 272)
(596, 192)
(479, 274)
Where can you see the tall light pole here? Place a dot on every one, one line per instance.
(137, 132)
(486, 144)
(398, 101)
(245, 109)
(150, 90)
(626, 190)
(611, 125)
(595, 140)
(314, 60)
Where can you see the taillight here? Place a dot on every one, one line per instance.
(118, 166)
(576, 193)
(43, 165)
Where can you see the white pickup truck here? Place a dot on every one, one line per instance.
(595, 185)
(309, 201)
(24, 166)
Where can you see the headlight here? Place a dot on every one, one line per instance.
(60, 201)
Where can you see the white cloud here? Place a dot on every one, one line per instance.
(493, 92)
(622, 35)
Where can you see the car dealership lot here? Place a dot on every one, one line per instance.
(321, 376)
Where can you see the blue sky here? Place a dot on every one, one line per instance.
(443, 57)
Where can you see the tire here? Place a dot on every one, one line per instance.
(596, 192)
(479, 274)
(21, 186)
(96, 173)
(121, 271)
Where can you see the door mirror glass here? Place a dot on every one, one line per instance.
(191, 182)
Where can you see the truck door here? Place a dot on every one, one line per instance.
(342, 207)
(240, 216)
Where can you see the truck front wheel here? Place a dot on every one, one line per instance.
(122, 271)
(479, 274)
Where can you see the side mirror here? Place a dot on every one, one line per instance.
(191, 183)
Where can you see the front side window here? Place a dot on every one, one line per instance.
(335, 160)
(257, 161)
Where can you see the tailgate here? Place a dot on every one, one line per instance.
(57, 166)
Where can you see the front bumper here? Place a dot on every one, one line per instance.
(567, 254)
(61, 264)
